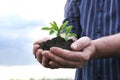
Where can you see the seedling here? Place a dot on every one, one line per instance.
(58, 30)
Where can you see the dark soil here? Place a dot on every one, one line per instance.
(56, 42)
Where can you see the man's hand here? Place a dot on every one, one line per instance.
(38, 52)
(83, 50)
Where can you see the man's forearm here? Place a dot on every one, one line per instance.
(107, 46)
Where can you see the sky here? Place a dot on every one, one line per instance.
(20, 26)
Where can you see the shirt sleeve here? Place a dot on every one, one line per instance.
(72, 15)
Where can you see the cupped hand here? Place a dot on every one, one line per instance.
(83, 50)
(37, 52)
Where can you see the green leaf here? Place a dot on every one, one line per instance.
(46, 28)
(54, 25)
(68, 29)
(51, 32)
(72, 34)
(62, 27)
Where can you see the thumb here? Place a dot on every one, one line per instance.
(81, 43)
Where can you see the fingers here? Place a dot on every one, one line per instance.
(66, 54)
(69, 59)
(59, 62)
(45, 62)
(35, 48)
(42, 59)
(81, 43)
(61, 58)
(39, 55)
(55, 65)
(36, 45)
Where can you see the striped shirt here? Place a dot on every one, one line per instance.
(95, 19)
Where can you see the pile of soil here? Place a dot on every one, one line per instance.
(56, 42)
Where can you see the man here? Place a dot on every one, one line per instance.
(96, 52)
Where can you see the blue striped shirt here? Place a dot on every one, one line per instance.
(95, 19)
